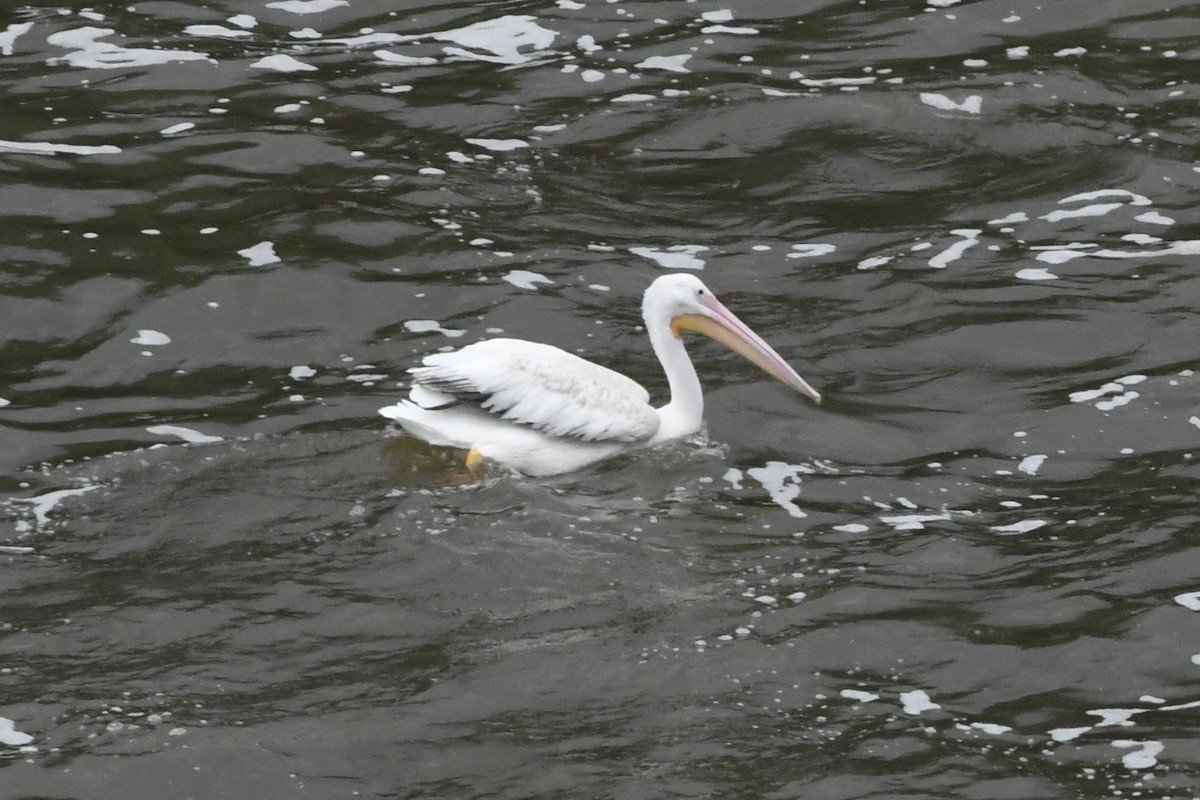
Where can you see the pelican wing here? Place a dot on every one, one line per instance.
(540, 386)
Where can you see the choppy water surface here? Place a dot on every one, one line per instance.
(229, 227)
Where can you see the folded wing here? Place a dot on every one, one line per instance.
(533, 384)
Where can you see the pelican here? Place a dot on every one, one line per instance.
(542, 411)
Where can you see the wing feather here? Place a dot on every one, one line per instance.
(544, 387)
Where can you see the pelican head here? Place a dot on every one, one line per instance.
(687, 304)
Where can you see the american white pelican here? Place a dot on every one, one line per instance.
(542, 411)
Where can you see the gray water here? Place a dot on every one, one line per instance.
(229, 227)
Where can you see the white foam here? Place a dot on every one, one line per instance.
(1117, 401)
(859, 696)
(10, 736)
(591, 75)
(1067, 734)
(1091, 394)
(913, 522)
(50, 149)
(282, 63)
(668, 63)
(1036, 274)
(151, 337)
(680, 256)
(180, 127)
(825, 82)
(431, 326)
(1143, 758)
(372, 38)
(1059, 256)
(812, 250)
(1194, 421)
(1180, 706)
(991, 728)
(955, 251)
(218, 31)
(587, 43)
(499, 145)
(973, 104)
(720, 15)
(917, 702)
(9, 38)
(1115, 716)
(4, 403)
(1135, 199)
(766, 600)
(782, 482)
(1154, 218)
(243, 21)
(874, 261)
(1016, 216)
(1189, 600)
(43, 504)
(189, 435)
(1189, 247)
(497, 40)
(260, 254)
(796, 597)
(733, 476)
(1070, 51)
(634, 97)
(389, 57)
(524, 279)
(851, 527)
(1141, 238)
(307, 6)
(90, 53)
(1031, 464)
(569, 5)
(1024, 526)
(736, 31)
(1094, 210)
(1022, 51)
(300, 372)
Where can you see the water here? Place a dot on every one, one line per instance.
(230, 227)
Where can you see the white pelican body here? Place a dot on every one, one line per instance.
(542, 411)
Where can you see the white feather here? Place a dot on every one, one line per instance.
(541, 386)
